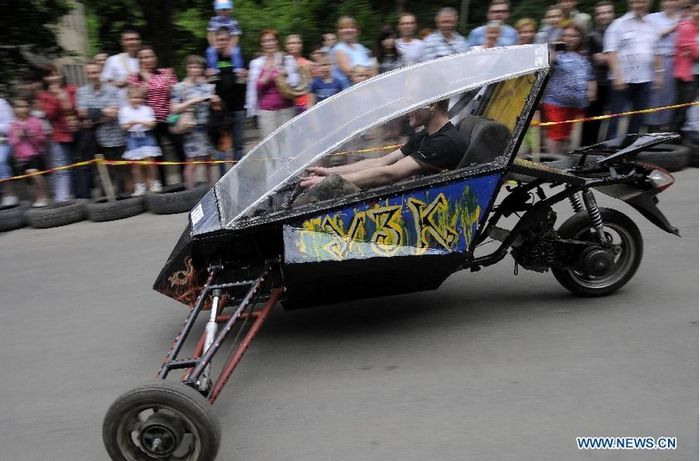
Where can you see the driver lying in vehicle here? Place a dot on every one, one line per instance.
(438, 147)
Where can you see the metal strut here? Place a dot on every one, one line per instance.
(197, 374)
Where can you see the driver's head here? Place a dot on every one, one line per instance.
(423, 115)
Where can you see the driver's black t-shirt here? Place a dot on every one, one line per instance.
(442, 150)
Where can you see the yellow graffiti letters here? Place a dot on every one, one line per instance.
(389, 229)
(432, 221)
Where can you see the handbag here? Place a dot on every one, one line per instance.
(289, 91)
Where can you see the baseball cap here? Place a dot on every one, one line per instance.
(223, 5)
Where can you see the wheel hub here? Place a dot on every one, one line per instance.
(597, 262)
(161, 435)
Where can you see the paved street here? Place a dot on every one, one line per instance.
(490, 367)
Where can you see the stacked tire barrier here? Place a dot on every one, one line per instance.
(173, 199)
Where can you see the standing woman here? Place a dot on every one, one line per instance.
(666, 22)
(388, 55)
(526, 28)
(571, 87)
(263, 98)
(57, 101)
(347, 53)
(157, 85)
(685, 69)
(294, 47)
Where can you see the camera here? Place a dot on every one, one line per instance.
(560, 46)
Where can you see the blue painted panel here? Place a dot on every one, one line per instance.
(436, 220)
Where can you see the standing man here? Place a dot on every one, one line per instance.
(631, 47)
(98, 106)
(445, 41)
(604, 13)
(229, 67)
(409, 46)
(499, 10)
(571, 14)
(118, 67)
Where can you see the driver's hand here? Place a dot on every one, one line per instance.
(318, 171)
(310, 181)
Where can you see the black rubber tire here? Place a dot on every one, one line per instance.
(12, 217)
(627, 262)
(124, 207)
(693, 155)
(57, 214)
(174, 199)
(174, 399)
(670, 157)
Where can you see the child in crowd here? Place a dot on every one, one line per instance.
(193, 97)
(7, 116)
(325, 85)
(26, 137)
(138, 120)
(223, 18)
(551, 29)
(360, 74)
(316, 56)
(329, 41)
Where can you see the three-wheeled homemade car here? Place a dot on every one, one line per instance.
(257, 238)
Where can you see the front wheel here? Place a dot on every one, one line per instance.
(161, 421)
(625, 253)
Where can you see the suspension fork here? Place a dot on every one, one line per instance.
(576, 202)
(593, 211)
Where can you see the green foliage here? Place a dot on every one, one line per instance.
(308, 18)
(27, 27)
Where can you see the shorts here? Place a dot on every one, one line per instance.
(552, 113)
(35, 162)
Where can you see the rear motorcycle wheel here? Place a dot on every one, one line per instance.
(161, 421)
(627, 246)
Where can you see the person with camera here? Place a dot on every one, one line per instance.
(570, 89)
(192, 100)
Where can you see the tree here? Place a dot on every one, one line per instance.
(28, 28)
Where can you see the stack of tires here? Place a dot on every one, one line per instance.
(175, 199)
(172, 199)
(670, 157)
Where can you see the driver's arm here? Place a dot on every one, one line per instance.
(359, 166)
(385, 174)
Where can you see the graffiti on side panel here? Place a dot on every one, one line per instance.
(434, 221)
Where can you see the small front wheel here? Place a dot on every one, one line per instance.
(161, 421)
(608, 272)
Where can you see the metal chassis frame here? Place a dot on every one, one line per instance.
(201, 359)
(475, 264)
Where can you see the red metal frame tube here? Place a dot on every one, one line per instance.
(198, 350)
(237, 354)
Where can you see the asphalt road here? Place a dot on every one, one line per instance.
(489, 367)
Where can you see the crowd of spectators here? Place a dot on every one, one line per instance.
(133, 109)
